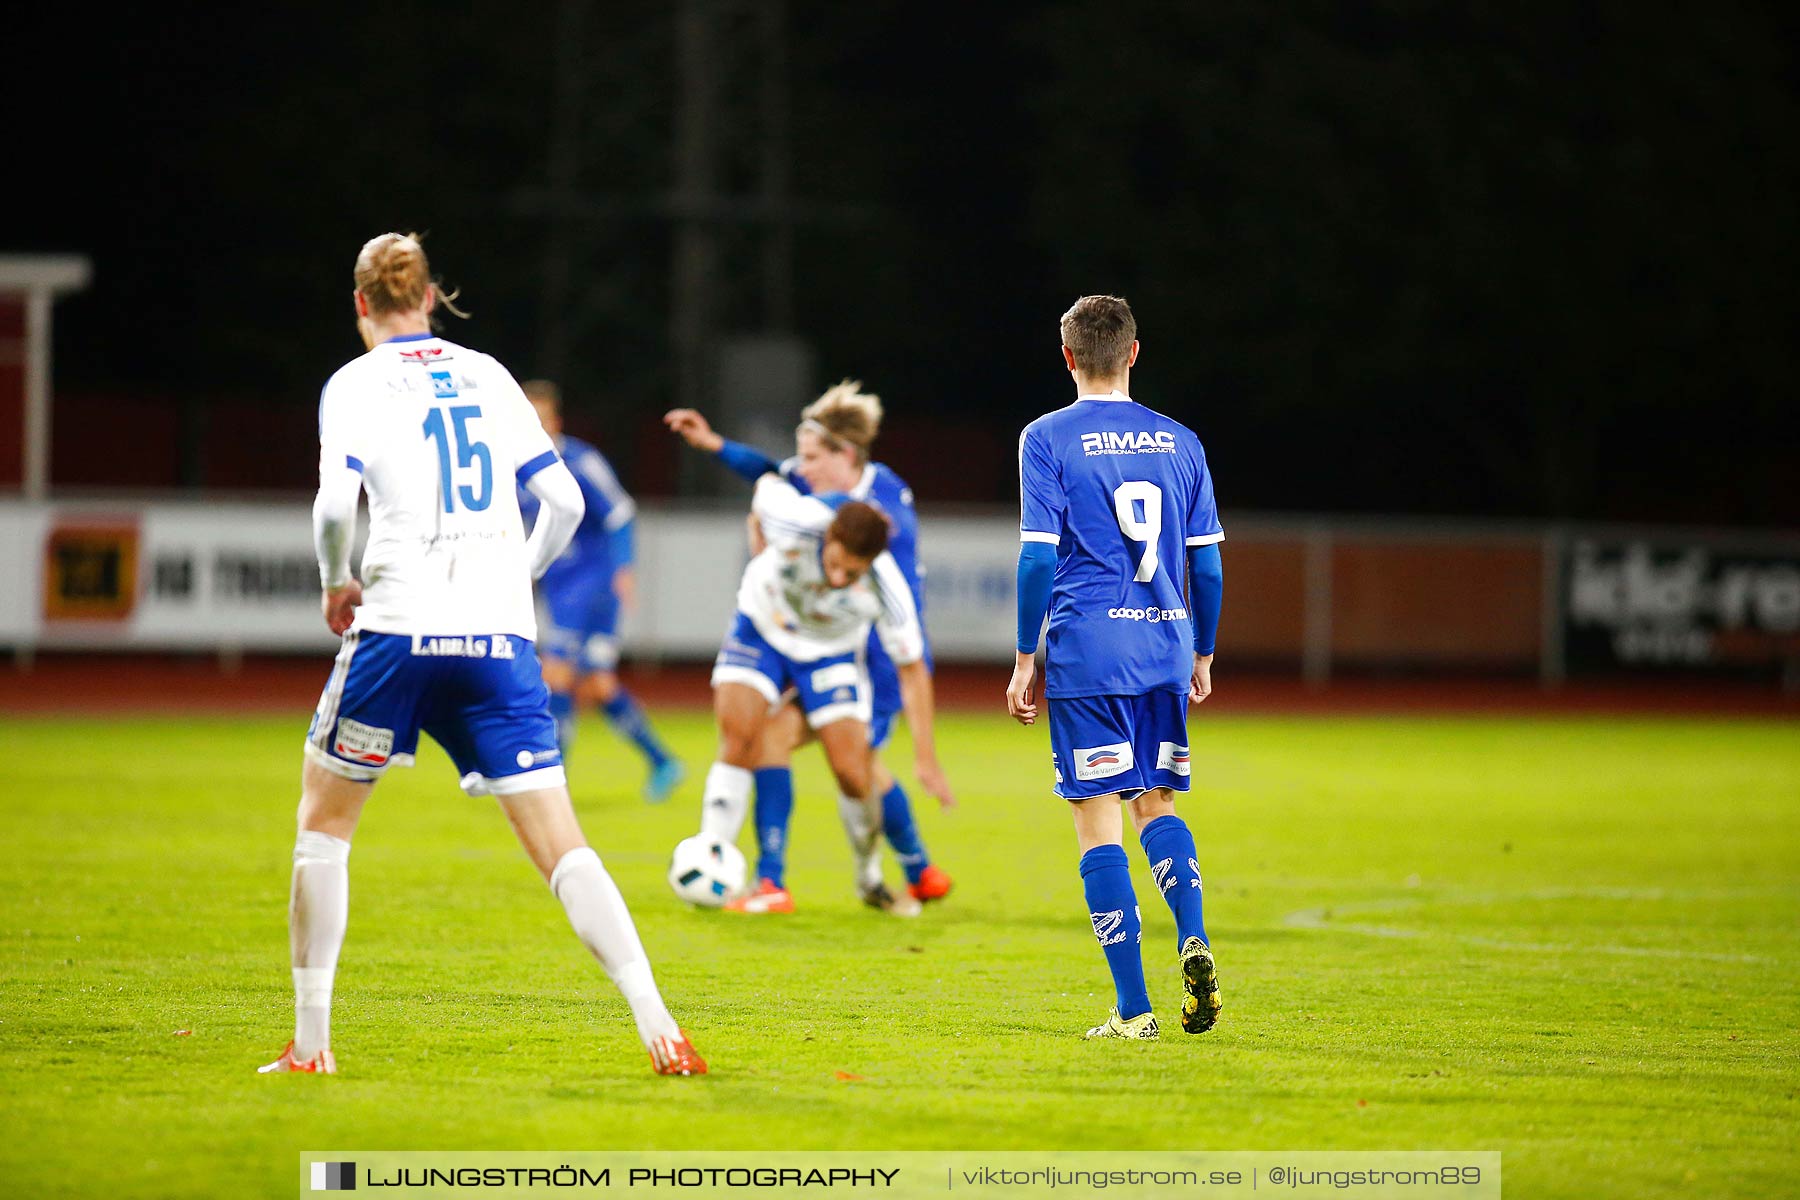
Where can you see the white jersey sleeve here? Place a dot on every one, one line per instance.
(785, 514)
(340, 484)
(898, 625)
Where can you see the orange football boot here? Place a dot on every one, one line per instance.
(934, 884)
(676, 1056)
(767, 898)
(321, 1063)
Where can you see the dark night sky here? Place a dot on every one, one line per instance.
(1521, 260)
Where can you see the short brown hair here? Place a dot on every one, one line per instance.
(1099, 330)
(860, 529)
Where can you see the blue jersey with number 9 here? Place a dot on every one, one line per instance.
(1121, 492)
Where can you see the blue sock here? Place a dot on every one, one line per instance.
(903, 833)
(1106, 878)
(1174, 866)
(562, 711)
(626, 717)
(774, 805)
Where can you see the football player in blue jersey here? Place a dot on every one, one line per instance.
(832, 461)
(584, 593)
(1119, 541)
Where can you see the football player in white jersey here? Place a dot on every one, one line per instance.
(438, 634)
(804, 612)
(832, 455)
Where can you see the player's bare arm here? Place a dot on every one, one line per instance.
(917, 697)
(339, 606)
(693, 429)
(1021, 692)
(1201, 687)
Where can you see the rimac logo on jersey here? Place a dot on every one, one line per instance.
(1128, 442)
(1101, 762)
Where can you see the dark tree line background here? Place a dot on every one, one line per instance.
(1528, 259)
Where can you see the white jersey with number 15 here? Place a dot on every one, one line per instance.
(441, 435)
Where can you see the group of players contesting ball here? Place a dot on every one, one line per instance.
(1119, 538)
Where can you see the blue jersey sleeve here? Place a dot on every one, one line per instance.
(622, 542)
(746, 462)
(607, 502)
(1206, 589)
(1042, 500)
(1037, 571)
(1202, 526)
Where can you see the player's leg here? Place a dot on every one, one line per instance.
(852, 761)
(785, 730)
(1161, 750)
(774, 788)
(546, 825)
(1113, 909)
(364, 722)
(319, 910)
(895, 817)
(837, 696)
(740, 710)
(1091, 752)
(601, 687)
(1174, 862)
(747, 679)
(493, 719)
(560, 621)
(924, 878)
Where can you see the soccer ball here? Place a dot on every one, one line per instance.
(706, 871)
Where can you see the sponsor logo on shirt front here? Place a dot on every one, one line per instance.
(1170, 757)
(1102, 762)
(363, 743)
(1152, 615)
(1128, 442)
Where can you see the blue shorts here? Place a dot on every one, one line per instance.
(481, 697)
(1105, 744)
(830, 689)
(580, 625)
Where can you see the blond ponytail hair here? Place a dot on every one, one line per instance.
(393, 275)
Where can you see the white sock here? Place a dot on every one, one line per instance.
(864, 833)
(603, 923)
(727, 801)
(318, 910)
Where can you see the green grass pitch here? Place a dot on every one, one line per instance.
(1572, 941)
